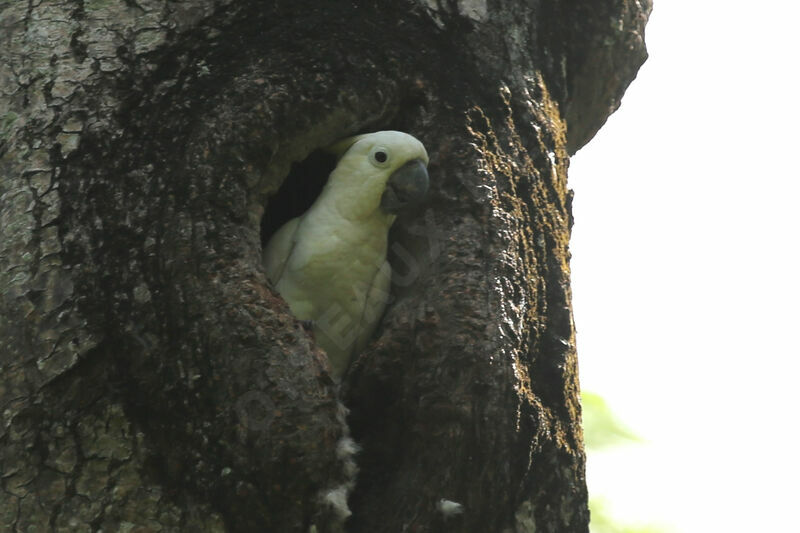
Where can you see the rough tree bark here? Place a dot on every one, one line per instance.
(152, 379)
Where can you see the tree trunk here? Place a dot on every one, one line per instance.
(152, 378)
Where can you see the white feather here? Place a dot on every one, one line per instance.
(449, 508)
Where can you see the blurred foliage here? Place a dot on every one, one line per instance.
(604, 522)
(602, 430)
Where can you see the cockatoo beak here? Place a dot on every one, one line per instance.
(407, 186)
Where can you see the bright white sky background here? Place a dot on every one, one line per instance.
(686, 272)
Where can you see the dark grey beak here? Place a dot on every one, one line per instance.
(406, 187)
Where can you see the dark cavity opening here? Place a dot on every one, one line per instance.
(298, 191)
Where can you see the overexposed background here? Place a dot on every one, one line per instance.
(685, 272)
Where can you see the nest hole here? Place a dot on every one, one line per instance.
(298, 192)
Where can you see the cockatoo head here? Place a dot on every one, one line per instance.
(385, 170)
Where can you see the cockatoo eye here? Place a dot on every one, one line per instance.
(379, 156)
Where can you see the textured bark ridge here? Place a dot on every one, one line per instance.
(151, 378)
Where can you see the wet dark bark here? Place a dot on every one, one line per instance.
(150, 375)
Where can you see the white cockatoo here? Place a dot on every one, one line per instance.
(329, 264)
